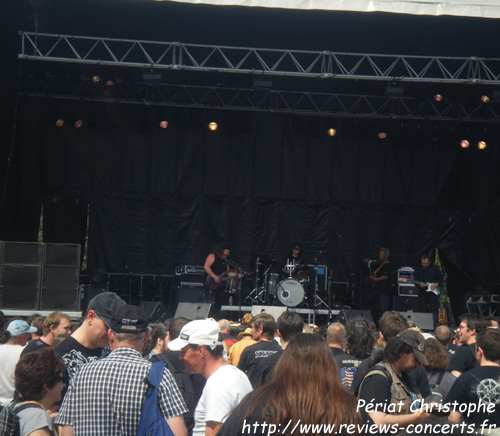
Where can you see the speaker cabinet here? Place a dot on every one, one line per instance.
(422, 320)
(62, 254)
(346, 314)
(20, 287)
(60, 290)
(156, 311)
(26, 253)
(405, 303)
(189, 294)
(193, 310)
(275, 311)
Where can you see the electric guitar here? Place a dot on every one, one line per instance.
(436, 291)
(224, 278)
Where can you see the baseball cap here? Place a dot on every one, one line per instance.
(416, 341)
(20, 327)
(105, 305)
(198, 332)
(129, 319)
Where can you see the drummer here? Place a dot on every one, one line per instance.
(294, 264)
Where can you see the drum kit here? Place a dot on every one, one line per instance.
(292, 288)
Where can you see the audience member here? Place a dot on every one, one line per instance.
(388, 383)
(289, 324)
(303, 388)
(87, 343)
(201, 350)
(12, 341)
(157, 343)
(464, 358)
(479, 386)
(38, 324)
(245, 339)
(359, 343)
(105, 396)
(56, 323)
(40, 379)
(335, 337)
(263, 330)
(437, 368)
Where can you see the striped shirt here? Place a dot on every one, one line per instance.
(105, 397)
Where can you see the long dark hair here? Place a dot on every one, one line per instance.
(305, 385)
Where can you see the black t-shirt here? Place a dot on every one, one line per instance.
(348, 366)
(253, 353)
(383, 286)
(34, 345)
(481, 384)
(266, 365)
(336, 351)
(464, 359)
(75, 355)
(376, 389)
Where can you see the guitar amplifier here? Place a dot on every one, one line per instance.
(407, 290)
(189, 275)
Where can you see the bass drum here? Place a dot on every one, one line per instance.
(290, 292)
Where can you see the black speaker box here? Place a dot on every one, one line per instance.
(193, 310)
(346, 314)
(188, 294)
(20, 287)
(60, 290)
(405, 303)
(422, 320)
(156, 311)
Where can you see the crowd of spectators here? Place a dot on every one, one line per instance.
(260, 376)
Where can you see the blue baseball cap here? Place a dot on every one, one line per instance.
(20, 327)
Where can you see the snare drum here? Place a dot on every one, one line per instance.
(290, 292)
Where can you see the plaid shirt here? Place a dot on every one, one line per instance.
(105, 397)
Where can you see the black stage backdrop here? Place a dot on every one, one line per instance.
(158, 198)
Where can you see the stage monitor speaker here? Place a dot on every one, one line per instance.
(21, 253)
(20, 287)
(405, 303)
(275, 311)
(189, 294)
(60, 289)
(156, 311)
(62, 254)
(193, 310)
(422, 320)
(346, 314)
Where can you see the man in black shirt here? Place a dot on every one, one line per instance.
(479, 388)
(380, 282)
(429, 281)
(263, 328)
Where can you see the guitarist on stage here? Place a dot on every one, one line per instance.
(428, 278)
(380, 282)
(217, 269)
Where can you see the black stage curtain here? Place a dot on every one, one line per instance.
(158, 198)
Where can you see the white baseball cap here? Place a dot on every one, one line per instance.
(198, 332)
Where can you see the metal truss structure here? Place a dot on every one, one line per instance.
(301, 102)
(259, 62)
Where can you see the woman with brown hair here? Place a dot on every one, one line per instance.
(437, 369)
(40, 379)
(304, 389)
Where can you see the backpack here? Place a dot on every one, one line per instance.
(152, 422)
(9, 422)
(436, 396)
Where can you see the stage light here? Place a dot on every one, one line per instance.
(382, 135)
(464, 143)
(59, 122)
(78, 123)
(481, 145)
(96, 79)
(213, 126)
(332, 132)
(109, 83)
(164, 124)
(485, 99)
(438, 97)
